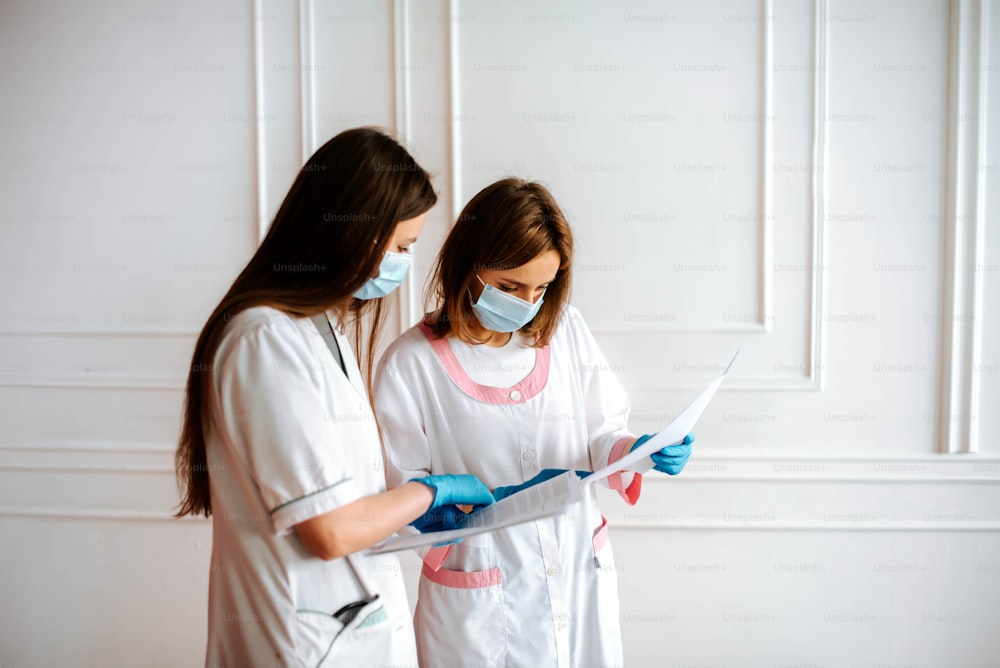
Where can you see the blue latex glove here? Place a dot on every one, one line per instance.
(457, 489)
(444, 518)
(450, 490)
(671, 459)
(546, 474)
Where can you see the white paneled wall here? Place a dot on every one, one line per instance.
(813, 182)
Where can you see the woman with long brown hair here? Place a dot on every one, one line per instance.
(279, 443)
(504, 380)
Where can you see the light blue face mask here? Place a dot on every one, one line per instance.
(391, 273)
(500, 311)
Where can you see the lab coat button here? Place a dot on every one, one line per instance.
(515, 395)
(553, 571)
(528, 456)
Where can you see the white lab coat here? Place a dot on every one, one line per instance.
(293, 438)
(542, 593)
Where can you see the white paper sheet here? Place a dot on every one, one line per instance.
(672, 434)
(562, 491)
(542, 500)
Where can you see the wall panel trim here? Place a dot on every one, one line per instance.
(964, 226)
(95, 514)
(790, 525)
(97, 381)
(767, 467)
(818, 196)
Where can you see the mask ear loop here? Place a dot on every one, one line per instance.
(469, 290)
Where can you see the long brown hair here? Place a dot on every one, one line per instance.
(325, 242)
(507, 224)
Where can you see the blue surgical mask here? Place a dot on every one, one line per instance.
(503, 312)
(391, 273)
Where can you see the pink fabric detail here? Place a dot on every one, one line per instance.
(631, 494)
(435, 557)
(633, 490)
(524, 390)
(601, 535)
(621, 448)
(460, 580)
(618, 450)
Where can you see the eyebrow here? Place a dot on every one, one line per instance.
(522, 285)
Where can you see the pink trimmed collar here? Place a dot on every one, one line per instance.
(527, 388)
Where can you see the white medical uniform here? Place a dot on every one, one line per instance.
(292, 437)
(542, 593)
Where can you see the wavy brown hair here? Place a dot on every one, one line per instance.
(325, 242)
(507, 224)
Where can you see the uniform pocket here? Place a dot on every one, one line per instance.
(460, 618)
(600, 538)
(322, 640)
(606, 575)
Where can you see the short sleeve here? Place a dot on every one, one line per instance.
(406, 450)
(274, 410)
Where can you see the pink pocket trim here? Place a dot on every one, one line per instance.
(461, 580)
(601, 535)
(435, 557)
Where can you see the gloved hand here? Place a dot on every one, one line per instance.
(450, 490)
(457, 489)
(441, 519)
(546, 474)
(671, 459)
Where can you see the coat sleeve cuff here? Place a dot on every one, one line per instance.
(288, 514)
(630, 493)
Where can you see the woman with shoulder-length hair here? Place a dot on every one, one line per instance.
(279, 442)
(505, 381)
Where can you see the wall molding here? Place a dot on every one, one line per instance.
(89, 446)
(763, 467)
(260, 143)
(964, 226)
(810, 525)
(766, 211)
(884, 468)
(280, 130)
(88, 457)
(121, 331)
(96, 514)
(97, 382)
(715, 472)
(307, 80)
(765, 208)
(678, 525)
(817, 294)
(454, 109)
(406, 297)
(813, 380)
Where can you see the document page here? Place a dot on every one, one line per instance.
(638, 460)
(541, 500)
(556, 494)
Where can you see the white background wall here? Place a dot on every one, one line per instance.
(812, 181)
